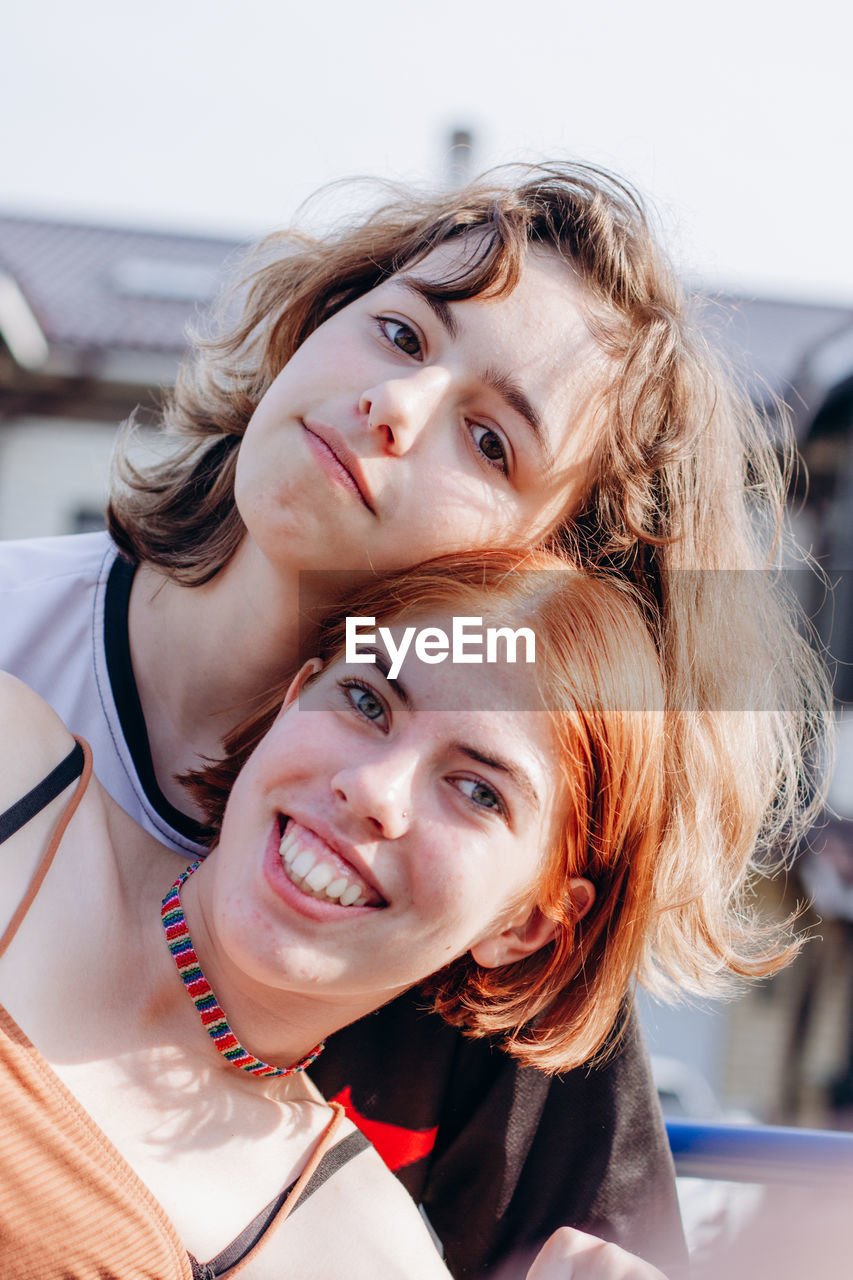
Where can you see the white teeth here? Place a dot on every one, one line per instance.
(318, 877)
(302, 864)
(305, 869)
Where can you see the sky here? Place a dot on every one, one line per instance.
(735, 119)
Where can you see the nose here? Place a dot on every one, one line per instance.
(399, 409)
(379, 792)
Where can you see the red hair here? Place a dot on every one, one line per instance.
(601, 680)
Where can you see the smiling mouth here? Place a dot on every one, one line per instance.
(319, 872)
(336, 459)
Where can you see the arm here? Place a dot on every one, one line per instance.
(33, 741)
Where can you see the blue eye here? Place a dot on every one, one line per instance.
(365, 701)
(402, 336)
(482, 796)
(490, 445)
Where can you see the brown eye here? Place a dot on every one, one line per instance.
(491, 446)
(402, 336)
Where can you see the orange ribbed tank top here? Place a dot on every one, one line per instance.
(71, 1207)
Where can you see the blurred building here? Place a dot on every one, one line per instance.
(92, 324)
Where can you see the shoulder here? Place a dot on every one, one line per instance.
(378, 1229)
(50, 590)
(33, 739)
(396, 1239)
(26, 565)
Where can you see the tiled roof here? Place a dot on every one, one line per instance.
(108, 288)
(100, 289)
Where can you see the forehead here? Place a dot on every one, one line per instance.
(546, 309)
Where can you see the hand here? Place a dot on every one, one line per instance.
(573, 1255)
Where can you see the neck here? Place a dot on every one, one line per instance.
(107, 962)
(254, 1028)
(105, 987)
(269, 1024)
(202, 655)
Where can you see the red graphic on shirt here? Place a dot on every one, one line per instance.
(397, 1145)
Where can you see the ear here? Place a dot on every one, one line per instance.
(524, 937)
(514, 942)
(299, 681)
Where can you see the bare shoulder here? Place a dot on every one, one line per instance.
(397, 1237)
(33, 739)
(378, 1230)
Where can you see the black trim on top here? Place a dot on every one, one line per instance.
(40, 796)
(335, 1158)
(332, 1160)
(123, 685)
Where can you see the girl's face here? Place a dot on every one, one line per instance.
(405, 427)
(384, 828)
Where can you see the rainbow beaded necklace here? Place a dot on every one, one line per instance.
(213, 1019)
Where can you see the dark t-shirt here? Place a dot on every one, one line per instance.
(501, 1155)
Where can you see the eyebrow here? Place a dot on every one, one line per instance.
(517, 775)
(383, 662)
(511, 392)
(507, 387)
(439, 307)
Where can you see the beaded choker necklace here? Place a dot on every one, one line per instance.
(213, 1019)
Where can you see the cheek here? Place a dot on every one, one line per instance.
(294, 751)
(286, 399)
(298, 747)
(452, 510)
(462, 889)
(444, 870)
(270, 409)
(333, 358)
(578, 464)
(259, 468)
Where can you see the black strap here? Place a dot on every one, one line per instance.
(19, 814)
(128, 706)
(334, 1159)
